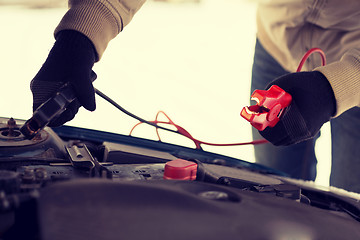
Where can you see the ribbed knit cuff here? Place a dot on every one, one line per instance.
(344, 78)
(99, 20)
(94, 20)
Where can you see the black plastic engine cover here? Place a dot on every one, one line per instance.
(102, 209)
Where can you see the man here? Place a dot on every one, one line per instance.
(286, 30)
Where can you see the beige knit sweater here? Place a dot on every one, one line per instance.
(99, 20)
(286, 28)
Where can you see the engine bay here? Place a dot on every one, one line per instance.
(73, 183)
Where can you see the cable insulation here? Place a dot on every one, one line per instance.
(180, 130)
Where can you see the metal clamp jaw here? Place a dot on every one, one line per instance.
(48, 111)
(270, 105)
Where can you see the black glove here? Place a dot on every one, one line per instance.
(70, 60)
(313, 104)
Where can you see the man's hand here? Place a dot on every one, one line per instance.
(70, 60)
(313, 104)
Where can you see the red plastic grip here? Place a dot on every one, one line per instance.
(269, 108)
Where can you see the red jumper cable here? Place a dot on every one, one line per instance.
(266, 113)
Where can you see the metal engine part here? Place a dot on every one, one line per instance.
(14, 144)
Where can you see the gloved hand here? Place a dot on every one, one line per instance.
(313, 104)
(70, 60)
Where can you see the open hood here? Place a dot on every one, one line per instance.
(75, 183)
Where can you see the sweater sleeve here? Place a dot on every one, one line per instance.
(344, 78)
(99, 20)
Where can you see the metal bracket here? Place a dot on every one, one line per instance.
(80, 157)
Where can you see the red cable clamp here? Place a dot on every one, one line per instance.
(269, 107)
